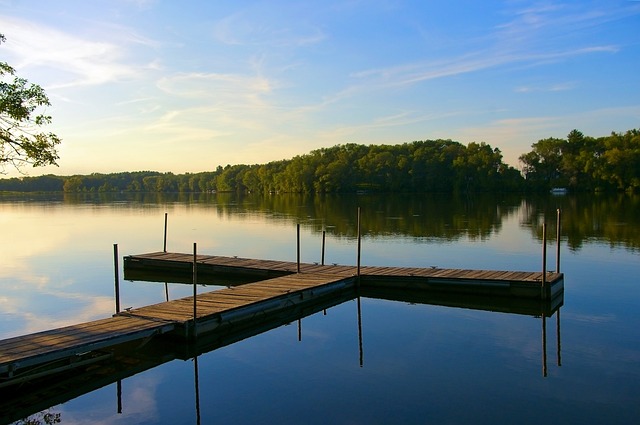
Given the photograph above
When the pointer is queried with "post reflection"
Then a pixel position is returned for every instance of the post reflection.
(360, 333)
(558, 336)
(544, 346)
(197, 388)
(544, 341)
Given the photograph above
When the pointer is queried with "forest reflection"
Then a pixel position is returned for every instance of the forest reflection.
(586, 218)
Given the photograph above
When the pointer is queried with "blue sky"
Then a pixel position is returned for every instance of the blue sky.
(186, 86)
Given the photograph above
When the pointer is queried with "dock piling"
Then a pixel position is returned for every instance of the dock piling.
(298, 247)
(359, 244)
(165, 232)
(558, 225)
(195, 290)
(116, 276)
(544, 257)
(324, 234)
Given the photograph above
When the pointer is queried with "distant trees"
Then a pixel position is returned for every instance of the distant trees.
(578, 162)
(421, 166)
(21, 141)
(585, 163)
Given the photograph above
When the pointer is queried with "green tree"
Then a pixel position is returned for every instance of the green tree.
(21, 141)
(542, 166)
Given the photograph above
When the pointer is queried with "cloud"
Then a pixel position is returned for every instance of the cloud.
(413, 73)
(570, 85)
(249, 27)
(92, 308)
(216, 86)
(71, 61)
(532, 36)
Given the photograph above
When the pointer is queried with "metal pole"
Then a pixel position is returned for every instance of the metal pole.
(324, 234)
(195, 290)
(359, 245)
(544, 257)
(298, 247)
(165, 232)
(116, 276)
(558, 224)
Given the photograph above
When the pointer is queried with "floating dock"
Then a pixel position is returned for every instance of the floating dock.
(126, 360)
(491, 282)
(281, 287)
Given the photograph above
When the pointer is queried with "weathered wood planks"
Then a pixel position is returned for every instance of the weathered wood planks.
(167, 261)
(280, 289)
(213, 309)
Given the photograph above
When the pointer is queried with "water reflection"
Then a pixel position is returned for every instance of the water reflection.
(614, 219)
(136, 357)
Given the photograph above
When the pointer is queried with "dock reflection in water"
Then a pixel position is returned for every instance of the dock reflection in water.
(133, 358)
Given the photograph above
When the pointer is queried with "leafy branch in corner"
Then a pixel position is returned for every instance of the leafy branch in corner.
(22, 141)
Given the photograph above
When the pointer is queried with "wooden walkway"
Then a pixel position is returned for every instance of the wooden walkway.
(20, 355)
(281, 288)
(24, 352)
(509, 283)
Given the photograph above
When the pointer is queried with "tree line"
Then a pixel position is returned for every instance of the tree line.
(580, 163)
(421, 166)
(583, 163)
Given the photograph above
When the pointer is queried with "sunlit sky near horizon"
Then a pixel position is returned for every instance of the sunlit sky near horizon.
(186, 86)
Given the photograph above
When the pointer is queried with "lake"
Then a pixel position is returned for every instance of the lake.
(360, 361)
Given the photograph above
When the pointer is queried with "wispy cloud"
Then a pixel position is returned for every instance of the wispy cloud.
(71, 60)
(410, 74)
(243, 28)
(570, 85)
(216, 86)
(524, 40)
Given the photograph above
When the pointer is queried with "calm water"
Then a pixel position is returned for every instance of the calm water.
(396, 361)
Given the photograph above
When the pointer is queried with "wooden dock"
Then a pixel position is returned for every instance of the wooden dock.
(280, 289)
(492, 282)
(65, 348)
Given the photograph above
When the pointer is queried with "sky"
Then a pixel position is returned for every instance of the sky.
(186, 86)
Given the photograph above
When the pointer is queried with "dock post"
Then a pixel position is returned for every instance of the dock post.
(116, 276)
(298, 248)
(359, 246)
(195, 290)
(558, 225)
(165, 232)
(544, 259)
(324, 234)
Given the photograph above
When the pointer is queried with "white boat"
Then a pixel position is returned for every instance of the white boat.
(559, 190)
